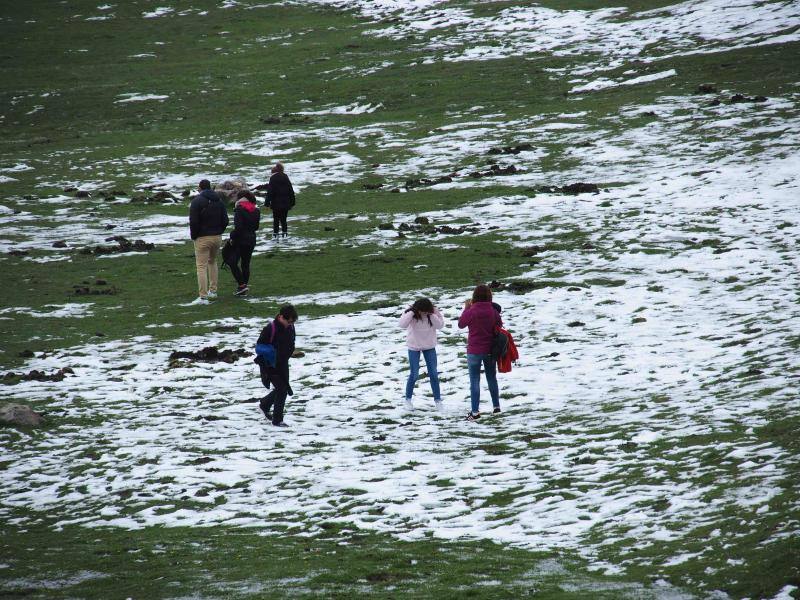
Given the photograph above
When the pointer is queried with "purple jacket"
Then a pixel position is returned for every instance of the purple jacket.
(481, 318)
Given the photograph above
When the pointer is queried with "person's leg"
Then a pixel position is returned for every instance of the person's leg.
(234, 264)
(215, 242)
(474, 365)
(490, 368)
(201, 262)
(276, 222)
(281, 391)
(284, 225)
(413, 373)
(246, 254)
(433, 372)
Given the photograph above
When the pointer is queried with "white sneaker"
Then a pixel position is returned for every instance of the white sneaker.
(197, 301)
(212, 295)
(439, 406)
(409, 404)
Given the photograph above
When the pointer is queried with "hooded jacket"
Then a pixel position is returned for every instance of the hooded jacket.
(280, 195)
(207, 215)
(421, 334)
(246, 219)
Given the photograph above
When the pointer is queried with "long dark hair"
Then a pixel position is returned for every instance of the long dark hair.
(482, 293)
(423, 305)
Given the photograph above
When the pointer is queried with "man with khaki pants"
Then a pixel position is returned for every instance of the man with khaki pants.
(208, 219)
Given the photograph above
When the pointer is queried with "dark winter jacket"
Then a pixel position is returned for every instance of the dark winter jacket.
(280, 195)
(283, 341)
(207, 215)
(246, 218)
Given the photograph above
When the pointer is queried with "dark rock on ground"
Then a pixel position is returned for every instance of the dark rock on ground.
(37, 375)
(82, 194)
(422, 220)
(329, 228)
(123, 245)
(424, 182)
(740, 98)
(18, 252)
(270, 120)
(372, 186)
(706, 88)
(386, 226)
(70, 188)
(511, 149)
(60, 244)
(580, 188)
(211, 354)
(532, 251)
(494, 170)
(639, 320)
(85, 290)
(298, 354)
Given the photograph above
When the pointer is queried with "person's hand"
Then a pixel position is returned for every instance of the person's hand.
(467, 303)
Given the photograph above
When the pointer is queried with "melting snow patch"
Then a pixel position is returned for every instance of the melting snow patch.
(158, 12)
(140, 97)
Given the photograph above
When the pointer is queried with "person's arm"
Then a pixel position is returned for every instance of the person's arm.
(291, 193)
(257, 218)
(225, 219)
(437, 319)
(238, 223)
(194, 219)
(405, 319)
(466, 318)
(270, 192)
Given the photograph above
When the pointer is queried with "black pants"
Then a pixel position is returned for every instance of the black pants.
(243, 254)
(279, 220)
(276, 399)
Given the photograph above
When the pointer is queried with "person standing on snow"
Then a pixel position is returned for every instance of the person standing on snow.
(280, 334)
(280, 198)
(481, 317)
(421, 321)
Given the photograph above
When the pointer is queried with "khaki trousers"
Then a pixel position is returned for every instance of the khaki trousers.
(206, 249)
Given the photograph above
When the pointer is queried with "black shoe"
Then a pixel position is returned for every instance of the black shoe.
(473, 417)
(496, 410)
(281, 424)
(241, 290)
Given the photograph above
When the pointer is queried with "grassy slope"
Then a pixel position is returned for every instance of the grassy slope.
(83, 125)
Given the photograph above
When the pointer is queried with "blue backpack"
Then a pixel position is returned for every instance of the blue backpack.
(267, 351)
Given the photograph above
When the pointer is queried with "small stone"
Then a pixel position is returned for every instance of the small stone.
(82, 194)
(60, 244)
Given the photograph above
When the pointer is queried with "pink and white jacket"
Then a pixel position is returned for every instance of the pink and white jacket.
(421, 335)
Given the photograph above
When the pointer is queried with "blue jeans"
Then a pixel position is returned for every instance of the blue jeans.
(433, 373)
(490, 368)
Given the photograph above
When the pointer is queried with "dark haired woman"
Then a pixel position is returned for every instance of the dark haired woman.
(246, 219)
(421, 321)
(280, 198)
(481, 317)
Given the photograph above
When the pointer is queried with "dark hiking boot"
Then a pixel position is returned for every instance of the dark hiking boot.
(281, 424)
(241, 290)
(496, 410)
(473, 417)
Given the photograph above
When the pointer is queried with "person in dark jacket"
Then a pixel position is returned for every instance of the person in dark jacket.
(246, 219)
(280, 333)
(280, 198)
(208, 219)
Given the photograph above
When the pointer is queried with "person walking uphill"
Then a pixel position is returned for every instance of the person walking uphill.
(208, 219)
(481, 317)
(280, 335)
(246, 219)
(280, 198)
(421, 322)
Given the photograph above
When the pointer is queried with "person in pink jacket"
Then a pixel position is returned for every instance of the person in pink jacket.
(421, 321)
(481, 316)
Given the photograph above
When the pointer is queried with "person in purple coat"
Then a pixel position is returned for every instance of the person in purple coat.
(481, 317)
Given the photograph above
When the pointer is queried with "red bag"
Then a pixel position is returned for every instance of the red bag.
(511, 354)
